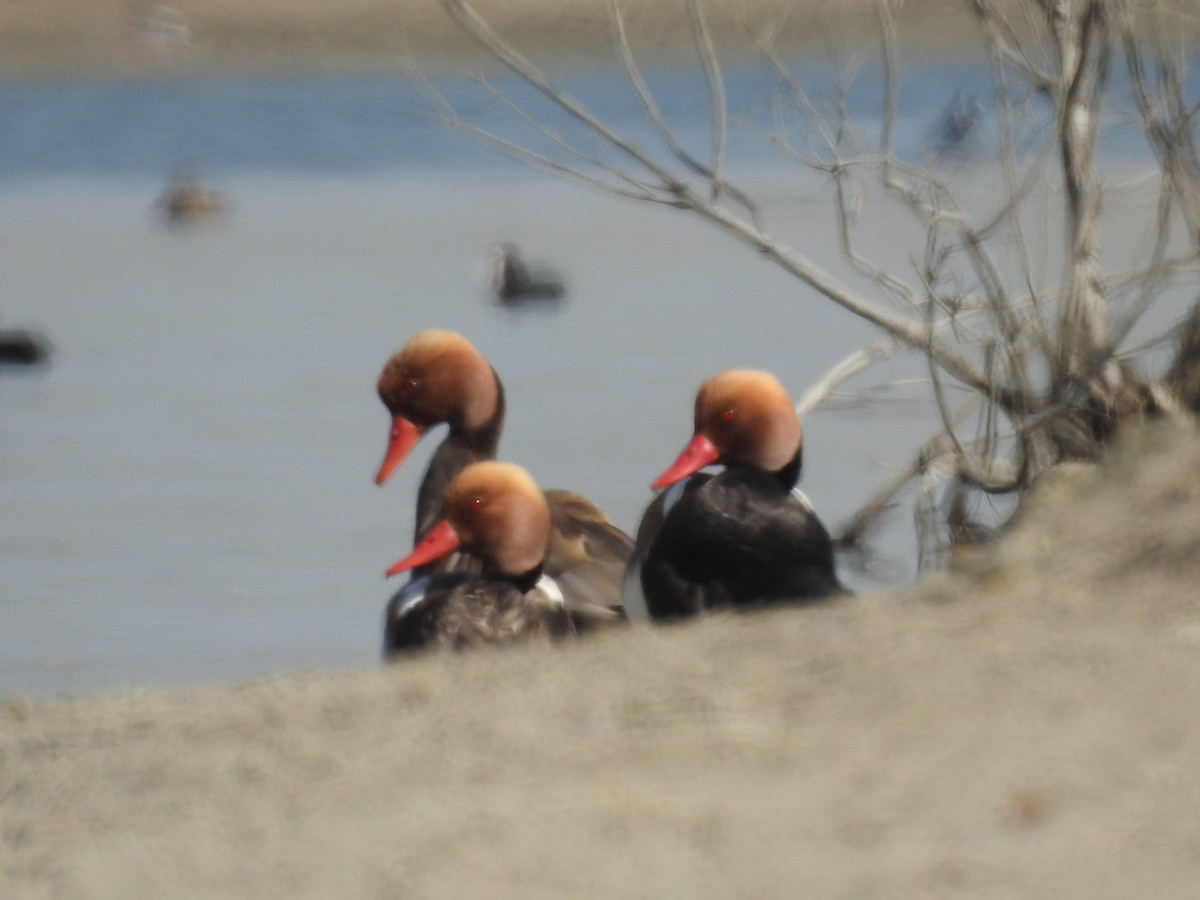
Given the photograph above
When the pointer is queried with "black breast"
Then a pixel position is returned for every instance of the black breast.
(739, 538)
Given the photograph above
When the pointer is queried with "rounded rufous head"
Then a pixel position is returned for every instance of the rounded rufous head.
(742, 417)
(493, 510)
(438, 376)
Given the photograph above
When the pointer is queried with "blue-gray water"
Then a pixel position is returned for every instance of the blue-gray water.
(364, 125)
(186, 489)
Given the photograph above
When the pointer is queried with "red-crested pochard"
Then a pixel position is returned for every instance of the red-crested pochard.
(439, 376)
(495, 512)
(743, 536)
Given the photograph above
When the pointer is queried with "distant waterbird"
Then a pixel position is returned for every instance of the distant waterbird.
(514, 282)
(188, 200)
(19, 347)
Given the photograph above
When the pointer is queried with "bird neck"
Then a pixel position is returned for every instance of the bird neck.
(459, 449)
(789, 475)
(526, 581)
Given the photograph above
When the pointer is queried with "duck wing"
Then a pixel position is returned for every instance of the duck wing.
(587, 556)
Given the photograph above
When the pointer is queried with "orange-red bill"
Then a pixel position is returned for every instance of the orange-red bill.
(440, 540)
(700, 452)
(403, 438)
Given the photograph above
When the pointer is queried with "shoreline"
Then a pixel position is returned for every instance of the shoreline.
(114, 38)
(54, 39)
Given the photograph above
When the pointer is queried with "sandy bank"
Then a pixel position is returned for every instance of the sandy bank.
(132, 38)
(120, 37)
(1027, 728)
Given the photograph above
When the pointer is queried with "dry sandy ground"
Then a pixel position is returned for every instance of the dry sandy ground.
(1027, 728)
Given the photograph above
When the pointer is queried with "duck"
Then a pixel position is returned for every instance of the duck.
(439, 377)
(740, 538)
(22, 348)
(494, 511)
(189, 200)
(513, 282)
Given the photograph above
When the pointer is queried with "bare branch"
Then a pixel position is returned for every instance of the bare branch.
(478, 28)
(846, 369)
(1005, 45)
(1020, 330)
(1168, 122)
(654, 114)
(646, 97)
(869, 513)
(716, 90)
(522, 154)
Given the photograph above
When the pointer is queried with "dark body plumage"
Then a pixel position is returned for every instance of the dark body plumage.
(459, 610)
(439, 377)
(495, 512)
(737, 538)
(22, 348)
(743, 537)
(460, 448)
(514, 283)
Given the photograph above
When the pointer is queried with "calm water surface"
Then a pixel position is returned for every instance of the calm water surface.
(187, 490)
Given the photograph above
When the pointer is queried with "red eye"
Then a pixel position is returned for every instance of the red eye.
(727, 415)
(475, 502)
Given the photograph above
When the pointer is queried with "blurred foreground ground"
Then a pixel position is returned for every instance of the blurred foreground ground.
(1027, 728)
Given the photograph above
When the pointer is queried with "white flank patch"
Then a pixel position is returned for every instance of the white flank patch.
(802, 499)
(673, 495)
(632, 598)
(411, 595)
(550, 590)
